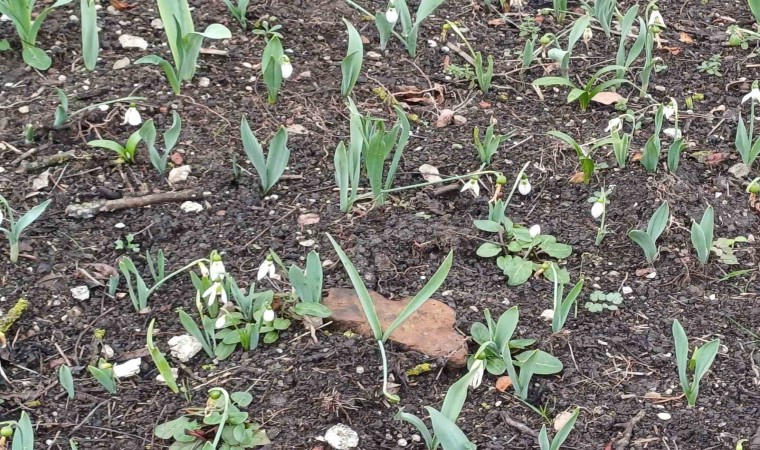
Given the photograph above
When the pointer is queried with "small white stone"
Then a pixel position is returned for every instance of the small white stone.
(184, 347)
(664, 416)
(121, 63)
(204, 82)
(374, 55)
(24, 109)
(80, 293)
(120, 226)
(160, 378)
(360, 369)
(627, 290)
(191, 207)
(129, 41)
(74, 18)
(432, 43)
(561, 419)
(127, 369)
(341, 437)
(61, 78)
(307, 243)
(445, 49)
(104, 108)
(548, 315)
(179, 174)
(416, 438)
(157, 24)
(402, 442)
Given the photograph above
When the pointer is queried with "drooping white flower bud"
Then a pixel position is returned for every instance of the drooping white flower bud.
(268, 315)
(597, 209)
(535, 231)
(524, 187)
(286, 67)
(391, 15)
(132, 116)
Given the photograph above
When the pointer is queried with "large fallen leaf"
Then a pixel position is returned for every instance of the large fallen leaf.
(607, 98)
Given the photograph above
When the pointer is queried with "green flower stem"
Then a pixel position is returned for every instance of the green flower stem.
(394, 399)
(159, 283)
(429, 183)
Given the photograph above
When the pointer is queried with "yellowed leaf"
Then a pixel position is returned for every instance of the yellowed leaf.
(685, 38)
(503, 383)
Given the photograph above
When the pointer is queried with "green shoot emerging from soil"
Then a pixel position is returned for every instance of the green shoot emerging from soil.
(647, 240)
(698, 364)
(15, 228)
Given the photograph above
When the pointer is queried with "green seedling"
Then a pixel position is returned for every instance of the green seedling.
(599, 301)
(271, 168)
(647, 240)
(15, 228)
(702, 235)
(699, 363)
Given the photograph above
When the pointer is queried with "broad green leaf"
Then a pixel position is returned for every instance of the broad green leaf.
(36, 57)
(277, 158)
(29, 218)
(352, 63)
(312, 309)
(489, 226)
(488, 250)
(215, 31)
(66, 380)
(480, 333)
(418, 424)
(543, 363)
(699, 241)
(168, 430)
(253, 151)
(242, 399)
(448, 433)
(158, 358)
(682, 353)
(645, 242)
(659, 221)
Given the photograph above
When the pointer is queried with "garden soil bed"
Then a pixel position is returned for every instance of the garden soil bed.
(616, 364)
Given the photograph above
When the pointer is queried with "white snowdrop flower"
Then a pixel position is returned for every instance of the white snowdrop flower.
(478, 367)
(597, 210)
(614, 125)
(656, 20)
(524, 187)
(672, 133)
(286, 67)
(216, 289)
(217, 272)
(268, 315)
(391, 15)
(266, 269)
(516, 4)
(472, 186)
(668, 111)
(587, 35)
(535, 231)
(221, 321)
(132, 116)
(753, 95)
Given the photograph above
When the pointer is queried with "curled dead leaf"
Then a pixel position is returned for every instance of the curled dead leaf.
(607, 98)
(637, 156)
(444, 118)
(685, 38)
(497, 22)
(503, 383)
(413, 94)
(308, 219)
(577, 178)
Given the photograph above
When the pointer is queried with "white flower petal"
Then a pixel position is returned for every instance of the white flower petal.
(287, 70)
(127, 369)
(391, 15)
(535, 231)
(524, 187)
(597, 210)
(268, 315)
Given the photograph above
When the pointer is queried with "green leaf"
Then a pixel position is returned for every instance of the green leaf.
(554, 81)
(556, 250)
(422, 296)
(564, 432)
(646, 243)
(480, 333)
(171, 136)
(172, 428)
(682, 353)
(90, 42)
(28, 218)
(36, 57)
(448, 433)
(489, 226)
(659, 221)
(699, 241)
(488, 250)
(277, 158)
(254, 151)
(312, 309)
(192, 328)
(66, 380)
(517, 270)
(417, 423)
(158, 358)
(172, 76)
(215, 31)
(4, 45)
(542, 364)
(242, 399)
(352, 64)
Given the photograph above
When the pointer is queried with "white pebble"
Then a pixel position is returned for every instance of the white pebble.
(664, 416)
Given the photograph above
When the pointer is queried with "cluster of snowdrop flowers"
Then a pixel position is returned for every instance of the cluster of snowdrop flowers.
(216, 275)
(132, 116)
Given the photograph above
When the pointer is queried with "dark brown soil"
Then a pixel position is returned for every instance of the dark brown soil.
(612, 360)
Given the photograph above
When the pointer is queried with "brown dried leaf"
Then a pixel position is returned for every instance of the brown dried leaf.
(177, 158)
(637, 156)
(577, 178)
(503, 383)
(430, 173)
(607, 98)
(497, 22)
(308, 219)
(716, 158)
(445, 118)
(104, 271)
(413, 94)
(685, 38)
(643, 272)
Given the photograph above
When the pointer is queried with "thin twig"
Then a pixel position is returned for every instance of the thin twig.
(623, 442)
(519, 425)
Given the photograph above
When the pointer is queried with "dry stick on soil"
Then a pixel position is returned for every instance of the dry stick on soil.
(88, 210)
(519, 425)
(628, 432)
(46, 162)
